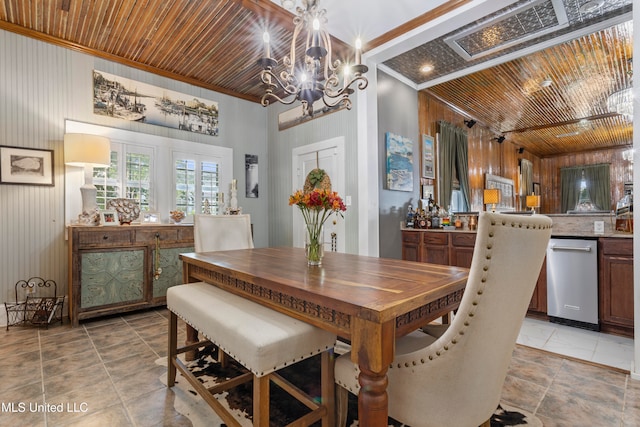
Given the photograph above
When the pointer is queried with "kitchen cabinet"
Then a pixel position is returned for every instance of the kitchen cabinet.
(115, 269)
(538, 304)
(615, 286)
(455, 248)
(435, 248)
(411, 246)
(461, 249)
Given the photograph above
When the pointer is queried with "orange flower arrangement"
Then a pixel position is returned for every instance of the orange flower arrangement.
(316, 206)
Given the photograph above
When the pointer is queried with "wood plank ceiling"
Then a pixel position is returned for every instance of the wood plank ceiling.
(568, 115)
(215, 44)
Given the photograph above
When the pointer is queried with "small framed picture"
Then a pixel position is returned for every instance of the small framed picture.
(109, 218)
(428, 157)
(26, 166)
(150, 218)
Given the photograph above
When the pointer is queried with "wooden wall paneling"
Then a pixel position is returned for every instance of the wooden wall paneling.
(486, 155)
(620, 172)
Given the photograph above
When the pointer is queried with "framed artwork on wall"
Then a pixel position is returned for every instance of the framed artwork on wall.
(251, 175)
(26, 166)
(126, 99)
(507, 191)
(399, 162)
(428, 157)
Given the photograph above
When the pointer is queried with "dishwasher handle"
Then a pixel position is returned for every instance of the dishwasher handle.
(570, 248)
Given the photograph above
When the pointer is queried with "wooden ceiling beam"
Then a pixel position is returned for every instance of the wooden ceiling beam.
(564, 123)
(429, 16)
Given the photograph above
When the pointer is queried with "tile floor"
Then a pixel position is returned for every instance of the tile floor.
(104, 373)
(582, 344)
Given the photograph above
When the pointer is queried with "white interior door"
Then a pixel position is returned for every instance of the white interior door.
(327, 155)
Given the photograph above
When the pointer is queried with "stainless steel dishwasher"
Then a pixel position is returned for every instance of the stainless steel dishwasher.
(572, 282)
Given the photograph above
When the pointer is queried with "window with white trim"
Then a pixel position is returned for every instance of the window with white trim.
(197, 184)
(143, 167)
(129, 176)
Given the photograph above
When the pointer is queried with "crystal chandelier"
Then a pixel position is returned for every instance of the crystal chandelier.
(316, 76)
(621, 102)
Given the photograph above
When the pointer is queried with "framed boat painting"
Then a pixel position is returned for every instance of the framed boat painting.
(26, 166)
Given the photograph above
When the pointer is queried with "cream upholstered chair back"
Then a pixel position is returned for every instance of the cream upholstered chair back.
(222, 232)
(457, 379)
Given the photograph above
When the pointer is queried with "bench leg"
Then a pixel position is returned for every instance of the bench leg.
(192, 338)
(261, 401)
(172, 350)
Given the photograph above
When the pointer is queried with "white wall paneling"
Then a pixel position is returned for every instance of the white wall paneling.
(42, 85)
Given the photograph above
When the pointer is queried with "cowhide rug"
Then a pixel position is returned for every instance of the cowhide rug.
(284, 409)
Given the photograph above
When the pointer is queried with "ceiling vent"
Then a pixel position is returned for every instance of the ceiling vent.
(508, 27)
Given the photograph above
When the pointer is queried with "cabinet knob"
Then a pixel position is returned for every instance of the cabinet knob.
(157, 235)
(105, 237)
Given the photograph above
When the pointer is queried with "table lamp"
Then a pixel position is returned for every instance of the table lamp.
(492, 197)
(87, 151)
(533, 202)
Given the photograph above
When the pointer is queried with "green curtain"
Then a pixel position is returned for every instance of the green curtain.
(598, 186)
(526, 171)
(454, 158)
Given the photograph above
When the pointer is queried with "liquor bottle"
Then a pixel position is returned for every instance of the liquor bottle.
(410, 215)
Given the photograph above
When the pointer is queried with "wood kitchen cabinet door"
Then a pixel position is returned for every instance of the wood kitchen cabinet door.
(411, 248)
(462, 249)
(615, 290)
(538, 304)
(436, 248)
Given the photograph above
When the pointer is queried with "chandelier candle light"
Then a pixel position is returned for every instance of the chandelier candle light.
(317, 76)
(316, 206)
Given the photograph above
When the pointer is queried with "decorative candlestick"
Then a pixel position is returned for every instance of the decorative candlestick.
(233, 203)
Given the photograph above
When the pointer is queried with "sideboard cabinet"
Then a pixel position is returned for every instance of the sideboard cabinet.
(119, 269)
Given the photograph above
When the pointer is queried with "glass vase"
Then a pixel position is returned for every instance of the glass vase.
(314, 243)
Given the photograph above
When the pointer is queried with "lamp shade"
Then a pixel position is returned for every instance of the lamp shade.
(533, 201)
(82, 149)
(492, 196)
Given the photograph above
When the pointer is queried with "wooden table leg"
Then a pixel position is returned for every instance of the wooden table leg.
(373, 401)
(372, 349)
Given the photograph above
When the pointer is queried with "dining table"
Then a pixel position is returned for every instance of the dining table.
(367, 301)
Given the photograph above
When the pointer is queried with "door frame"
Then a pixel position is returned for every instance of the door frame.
(338, 144)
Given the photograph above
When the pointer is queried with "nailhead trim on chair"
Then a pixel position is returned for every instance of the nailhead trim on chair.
(480, 291)
(470, 314)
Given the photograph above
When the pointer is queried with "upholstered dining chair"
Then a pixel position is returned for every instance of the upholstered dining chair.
(455, 376)
(222, 232)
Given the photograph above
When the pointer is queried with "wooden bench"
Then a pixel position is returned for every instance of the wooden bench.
(260, 339)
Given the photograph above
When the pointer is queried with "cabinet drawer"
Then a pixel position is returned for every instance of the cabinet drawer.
(435, 238)
(185, 233)
(463, 239)
(410, 236)
(149, 236)
(612, 246)
(104, 237)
